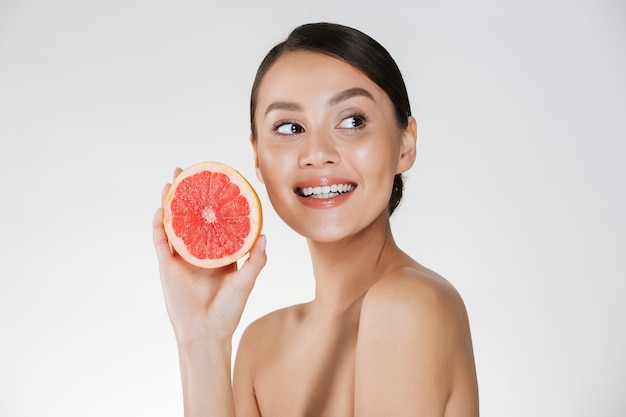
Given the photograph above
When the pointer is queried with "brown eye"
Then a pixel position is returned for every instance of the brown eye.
(289, 129)
(352, 122)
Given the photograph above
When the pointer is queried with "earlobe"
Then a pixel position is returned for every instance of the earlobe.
(408, 147)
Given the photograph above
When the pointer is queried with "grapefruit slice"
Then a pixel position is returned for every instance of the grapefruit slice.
(211, 214)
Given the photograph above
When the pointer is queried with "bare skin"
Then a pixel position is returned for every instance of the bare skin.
(400, 346)
(384, 336)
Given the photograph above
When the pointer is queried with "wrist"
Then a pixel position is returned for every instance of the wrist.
(201, 335)
(205, 367)
(195, 345)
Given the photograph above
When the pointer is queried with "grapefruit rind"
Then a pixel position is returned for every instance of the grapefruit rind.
(245, 189)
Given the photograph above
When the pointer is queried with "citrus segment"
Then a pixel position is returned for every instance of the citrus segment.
(211, 215)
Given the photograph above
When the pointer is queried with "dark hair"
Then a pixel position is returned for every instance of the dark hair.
(357, 49)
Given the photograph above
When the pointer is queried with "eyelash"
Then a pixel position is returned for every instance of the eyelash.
(281, 123)
(359, 116)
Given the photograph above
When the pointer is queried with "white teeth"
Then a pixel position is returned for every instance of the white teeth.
(326, 191)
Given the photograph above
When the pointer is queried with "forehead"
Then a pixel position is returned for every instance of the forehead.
(298, 73)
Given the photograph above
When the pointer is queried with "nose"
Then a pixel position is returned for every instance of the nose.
(318, 149)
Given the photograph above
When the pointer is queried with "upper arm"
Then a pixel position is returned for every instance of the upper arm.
(243, 386)
(414, 352)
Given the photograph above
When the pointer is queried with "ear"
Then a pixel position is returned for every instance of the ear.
(256, 160)
(407, 147)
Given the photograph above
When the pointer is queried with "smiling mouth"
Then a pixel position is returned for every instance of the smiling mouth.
(325, 191)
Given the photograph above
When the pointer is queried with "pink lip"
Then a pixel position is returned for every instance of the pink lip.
(320, 182)
(323, 203)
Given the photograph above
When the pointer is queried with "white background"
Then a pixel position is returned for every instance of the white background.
(517, 196)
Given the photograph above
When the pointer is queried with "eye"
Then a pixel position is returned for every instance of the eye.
(288, 128)
(353, 122)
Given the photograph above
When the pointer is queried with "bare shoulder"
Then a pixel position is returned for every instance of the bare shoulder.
(417, 309)
(414, 336)
(264, 332)
(258, 346)
(263, 337)
(413, 294)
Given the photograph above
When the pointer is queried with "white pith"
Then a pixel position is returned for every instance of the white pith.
(209, 215)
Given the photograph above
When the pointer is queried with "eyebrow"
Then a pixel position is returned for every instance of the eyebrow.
(337, 98)
(283, 105)
(349, 93)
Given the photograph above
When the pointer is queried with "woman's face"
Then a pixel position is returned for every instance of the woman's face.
(328, 145)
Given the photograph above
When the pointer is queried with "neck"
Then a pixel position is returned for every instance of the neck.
(346, 269)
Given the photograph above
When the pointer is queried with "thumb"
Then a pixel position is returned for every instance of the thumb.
(247, 274)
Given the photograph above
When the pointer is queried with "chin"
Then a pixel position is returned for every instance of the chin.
(324, 234)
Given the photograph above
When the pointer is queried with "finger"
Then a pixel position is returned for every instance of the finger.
(159, 238)
(164, 191)
(246, 277)
(167, 187)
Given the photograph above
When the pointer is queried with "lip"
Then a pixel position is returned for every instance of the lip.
(324, 203)
(320, 182)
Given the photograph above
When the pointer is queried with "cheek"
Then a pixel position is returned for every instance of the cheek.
(272, 167)
(378, 156)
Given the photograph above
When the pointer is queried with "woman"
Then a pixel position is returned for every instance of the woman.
(332, 133)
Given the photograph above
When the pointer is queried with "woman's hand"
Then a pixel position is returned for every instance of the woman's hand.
(204, 304)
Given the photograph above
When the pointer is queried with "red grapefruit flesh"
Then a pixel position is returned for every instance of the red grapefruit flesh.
(211, 214)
